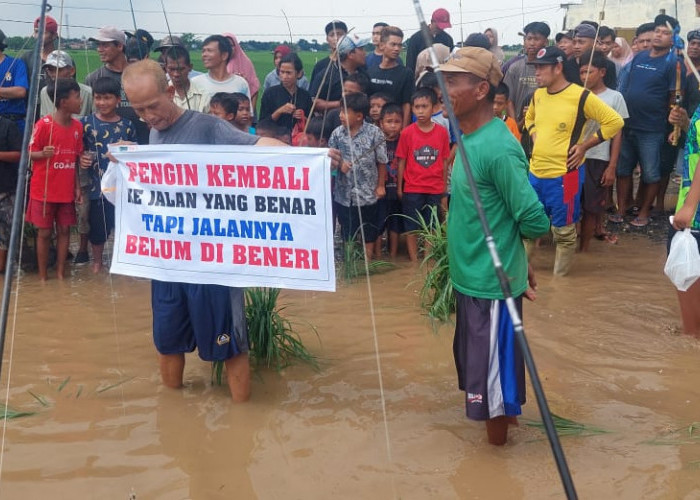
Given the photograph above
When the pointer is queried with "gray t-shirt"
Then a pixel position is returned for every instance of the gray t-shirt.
(196, 128)
(521, 82)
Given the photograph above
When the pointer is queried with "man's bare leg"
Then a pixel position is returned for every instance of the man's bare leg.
(412, 246)
(238, 377)
(690, 312)
(62, 242)
(649, 196)
(497, 429)
(588, 225)
(172, 367)
(624, 186)
(393, 244)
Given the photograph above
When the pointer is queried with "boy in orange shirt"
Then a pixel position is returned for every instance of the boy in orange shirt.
(500, 108)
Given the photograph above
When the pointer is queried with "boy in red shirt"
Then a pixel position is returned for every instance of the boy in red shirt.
(57, 142)
(423, 152)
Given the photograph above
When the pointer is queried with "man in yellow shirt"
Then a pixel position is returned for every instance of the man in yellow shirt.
(555, 120)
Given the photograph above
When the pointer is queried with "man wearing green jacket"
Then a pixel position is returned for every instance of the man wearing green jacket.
(489, 362)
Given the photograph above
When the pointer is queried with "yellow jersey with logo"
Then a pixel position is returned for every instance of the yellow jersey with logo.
(557, 120)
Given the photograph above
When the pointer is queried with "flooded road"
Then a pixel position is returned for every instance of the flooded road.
(605, 340)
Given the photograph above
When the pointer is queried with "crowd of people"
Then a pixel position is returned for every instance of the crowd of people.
(554, 137)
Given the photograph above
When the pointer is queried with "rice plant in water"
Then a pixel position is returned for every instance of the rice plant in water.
(8, 413)
(273, 340)
(437, 295)
(353, 264)
(566, 427)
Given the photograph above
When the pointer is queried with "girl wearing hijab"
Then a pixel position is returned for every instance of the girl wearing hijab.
(497, 51)
(241, 65)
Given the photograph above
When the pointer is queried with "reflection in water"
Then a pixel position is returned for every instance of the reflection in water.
(604, 340)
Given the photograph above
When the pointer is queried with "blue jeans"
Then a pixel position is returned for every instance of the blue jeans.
(643, 148)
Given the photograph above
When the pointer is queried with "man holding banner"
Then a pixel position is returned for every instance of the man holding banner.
(187, 315)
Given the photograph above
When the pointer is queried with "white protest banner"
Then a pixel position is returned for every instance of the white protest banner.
(228, 215)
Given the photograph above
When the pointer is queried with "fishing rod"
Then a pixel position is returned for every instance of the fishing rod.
(546, 414)
(18, 213)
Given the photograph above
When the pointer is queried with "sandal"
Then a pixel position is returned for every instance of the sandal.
(616, 218)
(640, 222)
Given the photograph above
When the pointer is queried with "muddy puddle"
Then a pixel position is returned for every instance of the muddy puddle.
(605, 339)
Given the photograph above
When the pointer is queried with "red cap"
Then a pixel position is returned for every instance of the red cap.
(50, 22)
(441, 19)
(283, 50)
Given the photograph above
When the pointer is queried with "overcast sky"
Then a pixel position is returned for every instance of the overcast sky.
(264, 19)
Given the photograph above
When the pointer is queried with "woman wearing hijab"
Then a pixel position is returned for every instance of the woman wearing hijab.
(497, 51)
(241, 65)
(621, 52)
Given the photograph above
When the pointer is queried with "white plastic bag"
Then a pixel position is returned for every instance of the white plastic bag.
(683, 262)
(109, 182)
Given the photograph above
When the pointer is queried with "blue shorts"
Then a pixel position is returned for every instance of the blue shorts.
(643, 148)
(208, 317)
(561, 196)
(414, 204)
(389, 216)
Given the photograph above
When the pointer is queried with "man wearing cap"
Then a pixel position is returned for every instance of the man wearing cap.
(138, 45)
(328, 86)
(520, 77)
(13, 87)
(110, 47)
(584, 40)
(565, 41)
(555, 120)
(494, 382)
(60, 64)
(48, 45)
(216, 53)
(335, 30)
(389, 76)
(648, 90)
(439, 22)
(273, 77)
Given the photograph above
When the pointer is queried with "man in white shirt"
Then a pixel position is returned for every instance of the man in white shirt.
(188, 95)
(216, 52)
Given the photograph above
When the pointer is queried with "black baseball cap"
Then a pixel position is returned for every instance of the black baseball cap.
(549, 55)
(537, 27)
(663, 20)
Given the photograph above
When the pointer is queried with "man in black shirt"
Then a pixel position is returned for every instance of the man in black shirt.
(10, 147)
(335, 30)
(390, 77)
(584, 40)
(351, 59)
(439, 21)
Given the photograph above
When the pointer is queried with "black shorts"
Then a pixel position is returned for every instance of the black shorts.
(389, 216)
(101, 221)
(594, 195)
(350, 222)
(415, 204)
(494, 382)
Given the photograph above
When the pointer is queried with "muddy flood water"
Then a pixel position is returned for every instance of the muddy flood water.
(606, 341)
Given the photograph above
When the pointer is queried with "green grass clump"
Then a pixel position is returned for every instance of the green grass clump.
(566, 427)
(353, 264)
(273, 340)
(689, 434)
(437, 294)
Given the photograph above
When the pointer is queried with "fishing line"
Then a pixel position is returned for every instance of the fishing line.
(503, 279)
(375, 337)
(40, 43)
(17, 232)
